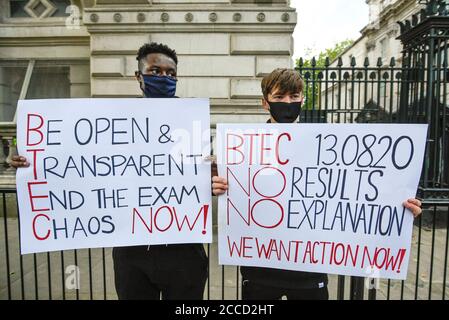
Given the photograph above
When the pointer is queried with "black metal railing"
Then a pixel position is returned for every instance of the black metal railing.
(335, 94)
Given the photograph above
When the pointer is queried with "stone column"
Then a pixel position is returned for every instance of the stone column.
(225, 47)
(79, 81)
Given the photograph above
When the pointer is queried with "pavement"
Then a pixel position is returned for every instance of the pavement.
(54, 271)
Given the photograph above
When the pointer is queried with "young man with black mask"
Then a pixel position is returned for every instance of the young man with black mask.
(283, 97)
(175, 272)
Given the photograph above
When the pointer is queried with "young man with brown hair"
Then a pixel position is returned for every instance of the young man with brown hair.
(173, 272)
(283, 97)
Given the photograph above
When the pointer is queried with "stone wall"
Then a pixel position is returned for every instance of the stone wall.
(378, 40)
(224, 46)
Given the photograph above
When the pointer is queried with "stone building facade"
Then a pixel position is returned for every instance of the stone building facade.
(87, 48)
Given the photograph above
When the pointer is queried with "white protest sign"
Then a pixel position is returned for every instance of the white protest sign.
(113, 172)
(319, 197)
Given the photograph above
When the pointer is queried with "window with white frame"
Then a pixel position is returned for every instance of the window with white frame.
(38, 8)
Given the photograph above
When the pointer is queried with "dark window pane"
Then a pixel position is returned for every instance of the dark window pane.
(61, 5)
(39, 9)
(11, 80)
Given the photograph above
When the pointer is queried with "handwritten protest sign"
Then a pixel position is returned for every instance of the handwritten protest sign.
(113, 172)
(319, 197)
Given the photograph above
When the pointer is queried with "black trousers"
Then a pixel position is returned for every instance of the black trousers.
(255, 291)
(173, 272)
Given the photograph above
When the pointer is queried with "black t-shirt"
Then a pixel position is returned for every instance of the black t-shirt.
(284, 278)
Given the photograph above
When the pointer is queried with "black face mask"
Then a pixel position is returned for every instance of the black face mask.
(283, 112)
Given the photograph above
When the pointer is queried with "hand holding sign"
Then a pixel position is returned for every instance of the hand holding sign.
(102, 175)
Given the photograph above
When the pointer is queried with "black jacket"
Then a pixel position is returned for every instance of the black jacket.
(284, 278)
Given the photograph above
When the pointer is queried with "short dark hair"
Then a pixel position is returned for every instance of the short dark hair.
(285, 80)
(154, 47)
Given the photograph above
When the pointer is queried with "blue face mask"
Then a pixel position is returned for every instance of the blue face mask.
(159, 87)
